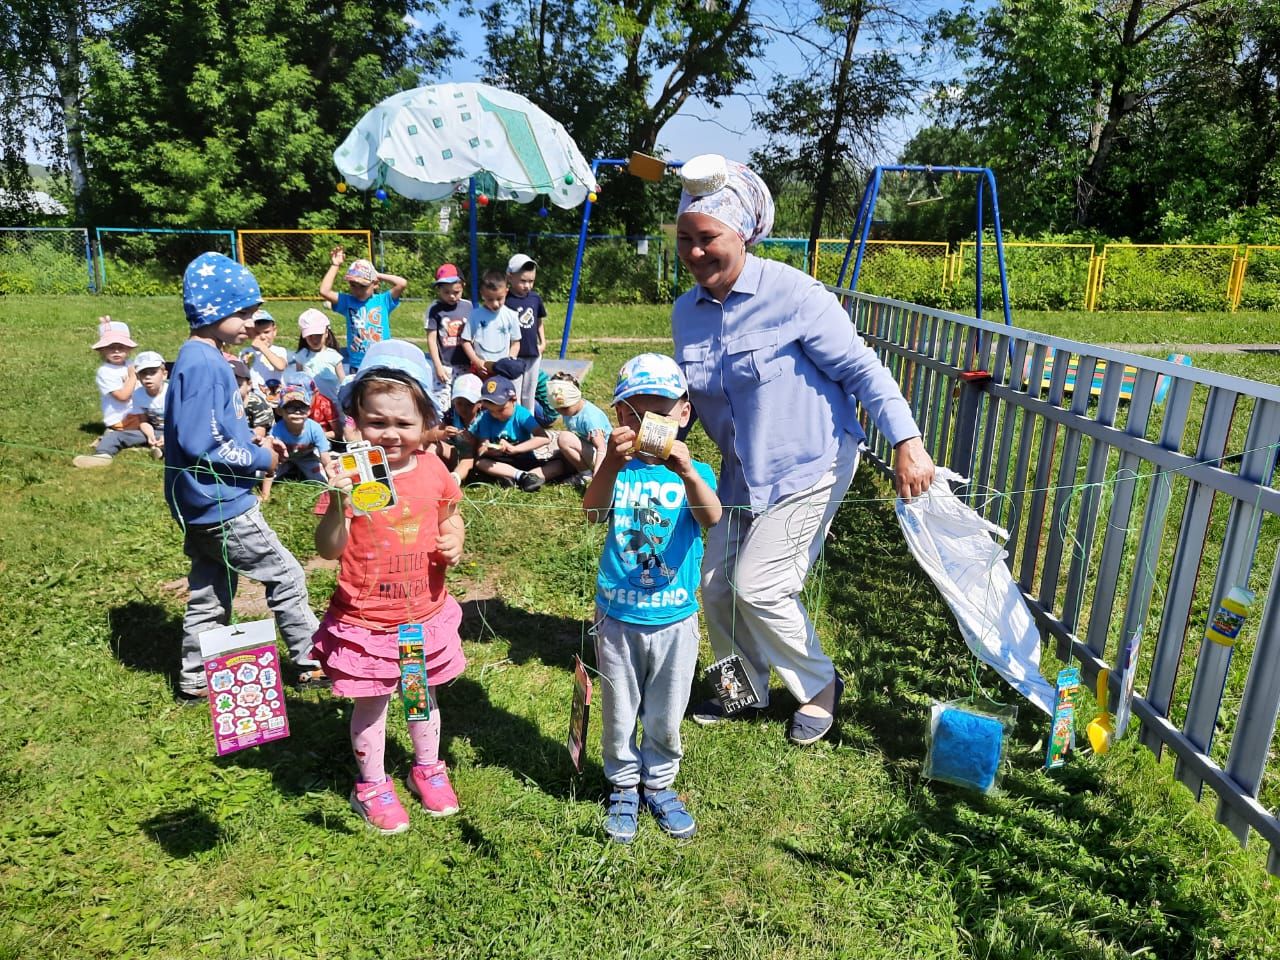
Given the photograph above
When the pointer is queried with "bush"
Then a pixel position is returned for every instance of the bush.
(43, 263)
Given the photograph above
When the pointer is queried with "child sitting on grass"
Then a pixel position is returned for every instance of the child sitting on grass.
(116, 380)
(392, 572)
(456, 444)
(646, 605)
(511, 446)
(585, 432)
(307, 448)
(148, 399)
(367, 311)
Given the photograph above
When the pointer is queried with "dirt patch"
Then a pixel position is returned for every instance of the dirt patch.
(251, 598)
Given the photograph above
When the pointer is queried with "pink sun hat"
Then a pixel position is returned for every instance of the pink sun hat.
(112, 331)
(312, 321)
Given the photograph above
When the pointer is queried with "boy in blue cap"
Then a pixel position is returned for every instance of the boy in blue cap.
(646, 596)
(511, 446)
(211, 466)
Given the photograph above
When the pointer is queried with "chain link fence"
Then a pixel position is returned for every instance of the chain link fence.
(289, 264)
(45, 260)
(144, 262)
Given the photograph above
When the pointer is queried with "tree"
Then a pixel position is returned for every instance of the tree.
(43, 76)
(205, 114)
(825, 127)
(615, 71)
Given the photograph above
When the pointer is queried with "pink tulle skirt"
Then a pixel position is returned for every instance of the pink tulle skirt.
(366, 663)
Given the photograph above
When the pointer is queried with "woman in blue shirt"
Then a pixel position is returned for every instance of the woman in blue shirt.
(776, 372)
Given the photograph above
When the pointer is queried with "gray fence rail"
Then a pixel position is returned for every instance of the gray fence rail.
(1136, 492)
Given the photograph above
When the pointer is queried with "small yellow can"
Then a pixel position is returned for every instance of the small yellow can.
(1224, 625)
(657, 436)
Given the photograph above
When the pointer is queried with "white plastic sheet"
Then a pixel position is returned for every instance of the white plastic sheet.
(955, 546)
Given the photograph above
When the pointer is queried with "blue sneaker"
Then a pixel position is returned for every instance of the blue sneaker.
(622, 815)
(669, 810)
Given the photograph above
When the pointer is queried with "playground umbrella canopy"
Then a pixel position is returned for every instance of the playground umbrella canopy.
(428, 142)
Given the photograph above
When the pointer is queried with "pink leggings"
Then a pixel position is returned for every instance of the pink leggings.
(369, 736)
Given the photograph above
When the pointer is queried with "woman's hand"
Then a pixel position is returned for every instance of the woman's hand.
(912, 468)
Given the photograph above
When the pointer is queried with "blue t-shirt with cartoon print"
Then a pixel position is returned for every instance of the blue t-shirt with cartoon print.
(652, 559)
(368, 322)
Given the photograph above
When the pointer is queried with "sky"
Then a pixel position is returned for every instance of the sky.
(701, 128)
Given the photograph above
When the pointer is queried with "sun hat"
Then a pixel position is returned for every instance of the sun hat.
(448, 273)
(563, 393)
(520, 262)
(361, 271)
(498, 390)
(239, 369)
(113, 331)
(729, 191)
(327, 384)
(386, 355)
(466, 387)
(311, 321)
(261, 316)
(147, 360)
(652, 374)
(214, 287)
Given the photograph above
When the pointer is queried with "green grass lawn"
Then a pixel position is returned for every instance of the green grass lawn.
(122, 835)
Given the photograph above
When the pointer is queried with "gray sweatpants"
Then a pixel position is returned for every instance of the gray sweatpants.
(113, 441)
(752, 575)
(646, 672)
(251, 548)
(528, 385)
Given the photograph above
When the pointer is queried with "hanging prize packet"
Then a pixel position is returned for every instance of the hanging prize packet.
(413, 673)
(374, 490)
(580, 713)
(246, 692)
(732, 684)
(1062, 737)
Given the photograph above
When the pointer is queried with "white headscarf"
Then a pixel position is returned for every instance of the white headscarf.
(730, 192)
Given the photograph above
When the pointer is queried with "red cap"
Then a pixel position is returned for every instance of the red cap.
(448, 273)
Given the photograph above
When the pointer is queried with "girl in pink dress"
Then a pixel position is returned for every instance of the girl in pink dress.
(392, 572)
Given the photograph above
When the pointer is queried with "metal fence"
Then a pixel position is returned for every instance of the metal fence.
(44, 260)
(149, 261)
(1129, 520)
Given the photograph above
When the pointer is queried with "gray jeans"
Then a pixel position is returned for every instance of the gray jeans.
(113, 441)
(646, 672)
(219, 554)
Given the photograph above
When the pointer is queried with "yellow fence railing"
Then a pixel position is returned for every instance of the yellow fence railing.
(1163, 276)
(1262, 263)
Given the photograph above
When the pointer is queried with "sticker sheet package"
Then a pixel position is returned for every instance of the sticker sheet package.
(732, 684)
(580, 713)
(967, 743)
(246, 691)
(414, 694)
(374, 490)
(1062, 735)
(1128, 677)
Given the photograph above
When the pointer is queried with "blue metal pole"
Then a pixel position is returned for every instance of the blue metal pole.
(977, 311)
(475, 254)
(1004, 277)
(874, 188)
(88, 262)
(577, 260)
(857, 229)
(102, 260)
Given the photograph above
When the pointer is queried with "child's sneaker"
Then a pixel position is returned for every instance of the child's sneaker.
(622, 815)
(379, 805)
(529, 482)
(429, 782)
(668, 809)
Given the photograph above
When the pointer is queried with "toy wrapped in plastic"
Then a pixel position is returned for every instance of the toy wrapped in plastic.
(967, 741)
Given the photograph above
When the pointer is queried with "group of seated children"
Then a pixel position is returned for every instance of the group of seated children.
(132, 394)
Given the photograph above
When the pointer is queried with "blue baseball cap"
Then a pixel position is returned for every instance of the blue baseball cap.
(498, 389)
(653, 374)
(214, 287)
(398, 355)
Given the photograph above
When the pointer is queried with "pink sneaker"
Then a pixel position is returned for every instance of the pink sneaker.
(379, 805)
(429, 782)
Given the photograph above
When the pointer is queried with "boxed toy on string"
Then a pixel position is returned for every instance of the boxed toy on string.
(246, 691)
(967, 741)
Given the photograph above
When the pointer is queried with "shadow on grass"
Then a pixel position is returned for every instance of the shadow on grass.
(94, 429)
(542, 637)
(183, 833)
(1055, 865)
(146, 636)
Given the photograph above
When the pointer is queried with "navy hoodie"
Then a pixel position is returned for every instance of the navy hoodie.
(211, 462)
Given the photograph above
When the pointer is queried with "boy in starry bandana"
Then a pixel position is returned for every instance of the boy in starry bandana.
(211, 466)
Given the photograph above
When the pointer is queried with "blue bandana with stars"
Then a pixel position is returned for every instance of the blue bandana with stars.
(214, 286)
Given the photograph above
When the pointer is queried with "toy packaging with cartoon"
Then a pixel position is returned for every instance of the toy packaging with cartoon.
(580, 714)
(246, 691)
